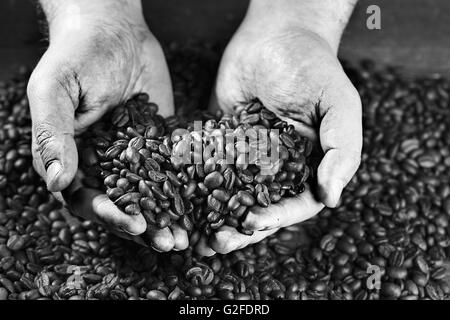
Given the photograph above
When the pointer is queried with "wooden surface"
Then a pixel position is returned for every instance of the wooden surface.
(414, 35)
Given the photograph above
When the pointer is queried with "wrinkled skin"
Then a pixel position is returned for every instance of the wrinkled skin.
(295, 73)
(74, 84)
(284, 54)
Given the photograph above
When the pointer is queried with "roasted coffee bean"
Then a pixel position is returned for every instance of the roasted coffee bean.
(263, 199)
(178, 205)
(168, 189)
(229, 178)
(234, 202)
(213, 180)
(157, 176)
(111, 180)
(390, 290)
(156, 295)
(133, 178)
(245, 198)
(397, 273)
(162, 220)
(147, 203)
(133, 209)
(158, 193)
(392, 213)
(173, 179)
(151, 165)
(221, 195)
(214, 204)
(16, 242)
(186, 223)
(421, 264)
(123, 183)
(239, 212)
(137, 142)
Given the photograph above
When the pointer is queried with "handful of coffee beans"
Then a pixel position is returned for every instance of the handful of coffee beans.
(201, 176)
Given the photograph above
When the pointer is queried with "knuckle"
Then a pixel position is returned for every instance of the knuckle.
(44, 134)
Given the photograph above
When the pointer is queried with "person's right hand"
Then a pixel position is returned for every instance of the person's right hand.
(101, 53)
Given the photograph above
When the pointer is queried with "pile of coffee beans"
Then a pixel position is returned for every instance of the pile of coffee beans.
(200, 178)
(388, 239)
(239, 173)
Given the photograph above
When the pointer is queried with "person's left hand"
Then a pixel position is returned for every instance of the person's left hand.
(294, 72)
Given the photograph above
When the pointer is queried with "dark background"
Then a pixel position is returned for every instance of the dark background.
(414, 35)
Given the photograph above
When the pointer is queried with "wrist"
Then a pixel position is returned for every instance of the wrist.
(326, 18)
(76, 16)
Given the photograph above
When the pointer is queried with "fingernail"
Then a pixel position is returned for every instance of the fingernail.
(53, 173)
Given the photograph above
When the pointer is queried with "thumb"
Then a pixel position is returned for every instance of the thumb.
(341, 141)
(52, 114)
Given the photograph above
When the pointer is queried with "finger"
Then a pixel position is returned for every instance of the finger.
(341, 141)
(52, 113)
(203, 249)
(159, 239)
(92, 204)
(180, 237)
(228, 239)
(157, 82)
(284, 213)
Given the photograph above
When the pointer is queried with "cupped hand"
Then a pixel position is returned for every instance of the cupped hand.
(295, 73)
(88, 69)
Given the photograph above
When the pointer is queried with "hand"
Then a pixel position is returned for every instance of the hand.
(101, 53)
(288, 61)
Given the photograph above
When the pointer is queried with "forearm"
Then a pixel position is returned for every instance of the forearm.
(70, 14)
(327, 18)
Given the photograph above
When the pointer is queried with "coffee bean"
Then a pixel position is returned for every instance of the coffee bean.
(214, 204)
(391, 290)
(156, 295)
(392, 213)
(186, 223)
(162, 220)
(157, 176)
(133, 209)
(421, 264)
(151, 165)
(3, 294)
(213, 180)
(263, 199)
(16, 242)
(234, 202)
(229, 178)
(397, 273)
(245, 198)
(178, 205)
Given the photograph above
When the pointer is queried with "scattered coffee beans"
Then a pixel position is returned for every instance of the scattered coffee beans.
(389, 238)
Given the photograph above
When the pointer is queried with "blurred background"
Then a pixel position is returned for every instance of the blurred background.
(414, 34)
